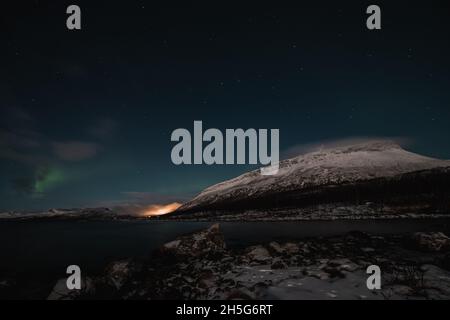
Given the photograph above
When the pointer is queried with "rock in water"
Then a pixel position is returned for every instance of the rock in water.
(259, 254)
(210, 241)
(432, 242)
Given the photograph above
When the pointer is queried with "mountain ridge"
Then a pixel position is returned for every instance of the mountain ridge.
(333, 166)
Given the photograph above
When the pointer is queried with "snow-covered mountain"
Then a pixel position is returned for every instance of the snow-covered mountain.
(354, 163)
(53, 214)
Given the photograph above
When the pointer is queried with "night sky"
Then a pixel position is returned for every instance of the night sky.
(86, 116)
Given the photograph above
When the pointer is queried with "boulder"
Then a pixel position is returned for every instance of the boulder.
(285, 249)
(291, 248)
(431, 242)
(436, 282)
(207, 280)
(343, 264)
(258, 254)
(275, 247)
(278, 264)
(61, 292)
(209, 241)
(119, 272)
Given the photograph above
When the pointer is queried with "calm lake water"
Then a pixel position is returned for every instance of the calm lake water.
(50, 246)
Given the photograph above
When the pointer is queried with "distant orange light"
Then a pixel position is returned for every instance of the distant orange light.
(158, 210)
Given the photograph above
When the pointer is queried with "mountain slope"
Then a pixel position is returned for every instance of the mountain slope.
(332, 167)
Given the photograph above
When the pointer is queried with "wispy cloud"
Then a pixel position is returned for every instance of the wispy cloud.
(103, 128)
(45, 159)
(18, 115)
(75, 150)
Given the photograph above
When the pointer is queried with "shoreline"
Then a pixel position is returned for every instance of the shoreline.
(412, 216)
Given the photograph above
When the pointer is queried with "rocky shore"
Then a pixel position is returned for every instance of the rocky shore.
(323, 212)
(199, 266)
